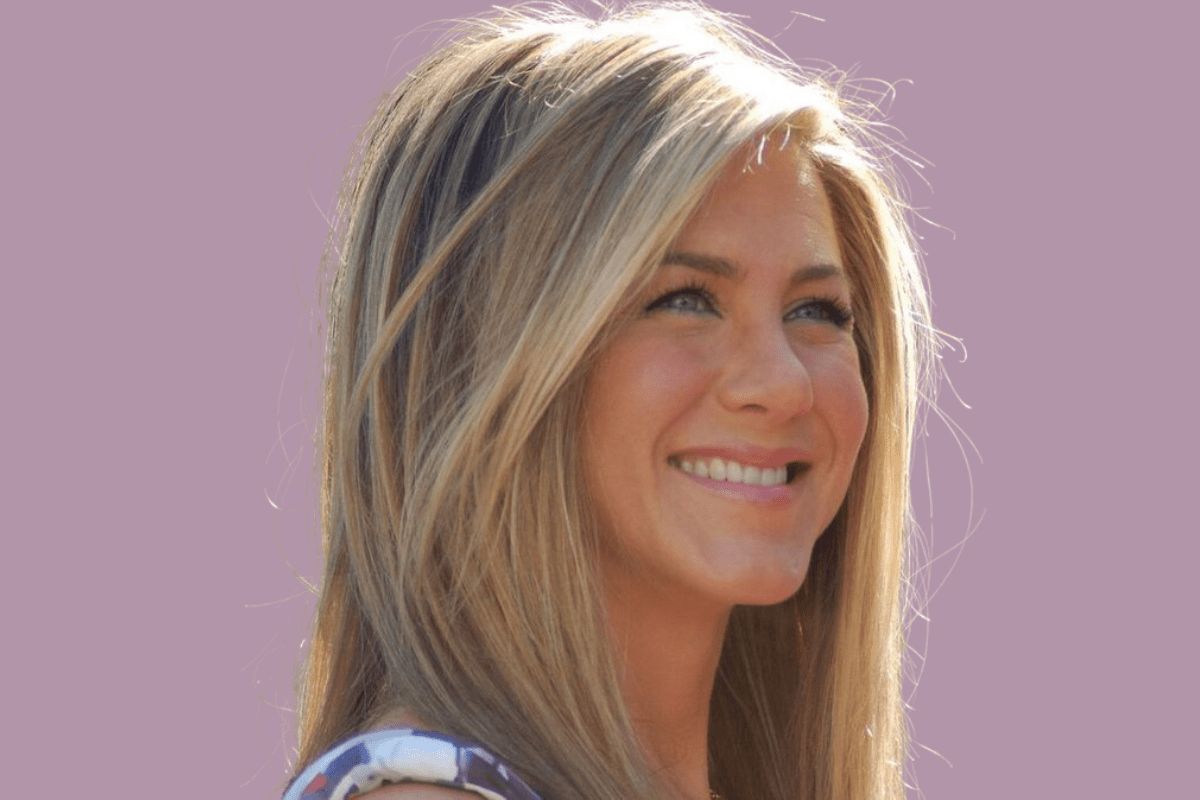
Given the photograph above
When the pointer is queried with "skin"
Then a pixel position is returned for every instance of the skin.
(754, 364)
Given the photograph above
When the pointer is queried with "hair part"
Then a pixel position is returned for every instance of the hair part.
(508, 196)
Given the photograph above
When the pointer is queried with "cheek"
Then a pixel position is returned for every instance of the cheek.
(643, 382)
(637, 390)
(662, 371)
(858, 412)
(845, 403)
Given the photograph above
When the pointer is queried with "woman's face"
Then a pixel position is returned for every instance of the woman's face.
(722, 422)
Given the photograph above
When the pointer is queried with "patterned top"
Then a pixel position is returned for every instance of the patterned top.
(398, 755)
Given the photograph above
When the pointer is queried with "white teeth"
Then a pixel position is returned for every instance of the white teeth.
(721, 470)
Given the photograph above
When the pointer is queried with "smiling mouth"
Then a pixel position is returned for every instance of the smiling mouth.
(722, 469)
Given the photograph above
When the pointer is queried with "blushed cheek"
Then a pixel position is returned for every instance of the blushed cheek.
(860, 415)
(849, 409)
(637, 389)
(643, 383)
(670, 372)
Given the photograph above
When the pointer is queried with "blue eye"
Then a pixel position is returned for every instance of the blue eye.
(823, 309)
(688, 300)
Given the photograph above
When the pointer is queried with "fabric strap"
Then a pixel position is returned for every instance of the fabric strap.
(397, 755)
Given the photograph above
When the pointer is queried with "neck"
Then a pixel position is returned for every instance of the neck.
(668, 648)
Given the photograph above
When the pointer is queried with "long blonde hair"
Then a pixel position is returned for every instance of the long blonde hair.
(507, 196)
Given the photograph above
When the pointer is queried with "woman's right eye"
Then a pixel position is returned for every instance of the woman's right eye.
(691, 300)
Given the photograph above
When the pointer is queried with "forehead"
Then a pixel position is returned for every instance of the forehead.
(770, 206)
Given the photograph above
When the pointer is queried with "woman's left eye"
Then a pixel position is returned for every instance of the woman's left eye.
(826, 309)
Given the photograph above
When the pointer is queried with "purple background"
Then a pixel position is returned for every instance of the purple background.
(164, 170)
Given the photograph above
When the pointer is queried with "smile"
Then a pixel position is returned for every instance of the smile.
(721, 469)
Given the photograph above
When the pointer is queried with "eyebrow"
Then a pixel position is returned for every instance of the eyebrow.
(724, 268)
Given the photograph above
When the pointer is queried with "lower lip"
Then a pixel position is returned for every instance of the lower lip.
(745, 491)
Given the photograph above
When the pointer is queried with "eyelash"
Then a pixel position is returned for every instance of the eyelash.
(832, 309)
(694, 288)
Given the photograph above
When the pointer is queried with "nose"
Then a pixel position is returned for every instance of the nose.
(763, 373)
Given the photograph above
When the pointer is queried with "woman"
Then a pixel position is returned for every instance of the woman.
(625, 342)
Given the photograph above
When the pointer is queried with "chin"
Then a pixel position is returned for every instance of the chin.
(767, 585)
(767, 595)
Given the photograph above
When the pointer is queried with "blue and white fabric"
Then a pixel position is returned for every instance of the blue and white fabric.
(397, 755)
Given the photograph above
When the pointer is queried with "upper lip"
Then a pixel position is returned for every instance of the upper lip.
(750, 455)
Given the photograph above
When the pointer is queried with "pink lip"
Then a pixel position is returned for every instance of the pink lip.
(746, 491)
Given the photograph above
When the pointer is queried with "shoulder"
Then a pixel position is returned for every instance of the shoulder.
(407, 764)
(411, 791)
